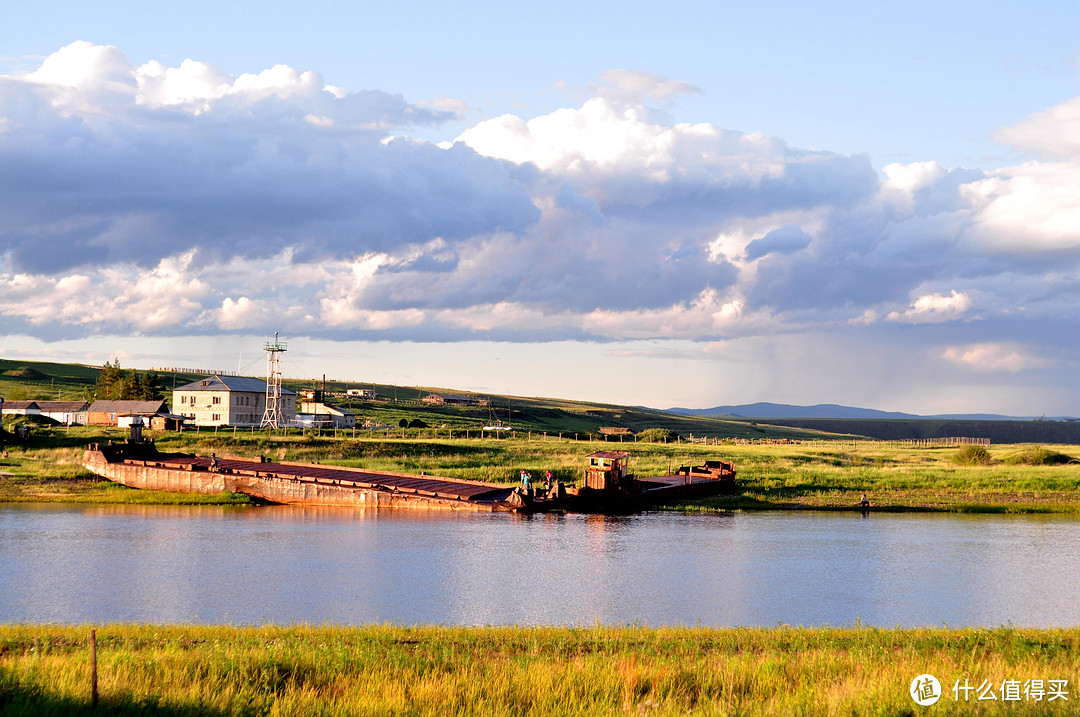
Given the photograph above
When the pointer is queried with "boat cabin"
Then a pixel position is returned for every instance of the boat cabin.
(607, 470)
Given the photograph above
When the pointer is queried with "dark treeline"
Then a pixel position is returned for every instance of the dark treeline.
(116, 384)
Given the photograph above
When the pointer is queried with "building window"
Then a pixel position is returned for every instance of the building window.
(216, 417)
(217, 399)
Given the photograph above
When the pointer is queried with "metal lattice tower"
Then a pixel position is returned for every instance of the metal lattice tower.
(273, 416)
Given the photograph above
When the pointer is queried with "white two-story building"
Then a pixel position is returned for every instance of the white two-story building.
(229, 401)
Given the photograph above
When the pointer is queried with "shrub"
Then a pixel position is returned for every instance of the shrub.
(658, 435)
(972, 456)
(1039, 456)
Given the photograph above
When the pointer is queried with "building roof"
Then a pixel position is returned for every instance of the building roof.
(20, 405)
(230, 383)
(131, 407)
(62, 406)
(325, 408)
(452, 397)
(611, 455)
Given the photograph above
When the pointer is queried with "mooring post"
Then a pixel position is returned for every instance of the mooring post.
(93, 668)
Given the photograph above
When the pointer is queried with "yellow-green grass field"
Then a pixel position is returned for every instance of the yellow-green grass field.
(809, 475)
(392, 670)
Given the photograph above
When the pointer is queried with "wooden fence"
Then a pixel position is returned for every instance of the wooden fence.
(388, 432)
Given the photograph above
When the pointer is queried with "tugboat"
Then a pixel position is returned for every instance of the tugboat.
(609, 487)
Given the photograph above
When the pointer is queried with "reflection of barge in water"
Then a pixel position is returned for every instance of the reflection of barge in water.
(608, 486)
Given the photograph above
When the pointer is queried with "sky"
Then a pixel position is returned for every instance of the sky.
(691, 205)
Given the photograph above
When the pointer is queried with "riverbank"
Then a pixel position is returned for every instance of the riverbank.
(302, 670)
(823, 475)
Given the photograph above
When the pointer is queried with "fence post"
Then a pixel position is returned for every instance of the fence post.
(93, 669)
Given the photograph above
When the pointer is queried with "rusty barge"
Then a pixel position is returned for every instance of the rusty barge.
(607, 487)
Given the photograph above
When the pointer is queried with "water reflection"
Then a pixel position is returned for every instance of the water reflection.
(282, 564)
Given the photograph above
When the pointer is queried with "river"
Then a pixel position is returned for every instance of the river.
(159, 564)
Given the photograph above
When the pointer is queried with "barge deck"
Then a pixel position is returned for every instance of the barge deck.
(139, 465)
(608, 487)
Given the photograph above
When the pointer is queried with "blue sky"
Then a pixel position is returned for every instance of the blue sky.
(697, 204)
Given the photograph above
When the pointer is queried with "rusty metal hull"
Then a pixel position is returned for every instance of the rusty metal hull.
(649, 492)
(138, 466)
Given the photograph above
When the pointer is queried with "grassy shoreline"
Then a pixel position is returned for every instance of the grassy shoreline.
(388, 669)
(789, 476)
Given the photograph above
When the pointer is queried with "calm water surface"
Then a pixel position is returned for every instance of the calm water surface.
(284, 565)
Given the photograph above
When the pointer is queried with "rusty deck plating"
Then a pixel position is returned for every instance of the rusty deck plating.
(141, 466)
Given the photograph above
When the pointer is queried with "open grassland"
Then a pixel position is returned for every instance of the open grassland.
(382, 670)
(901, 478)
(50, 470)
(808, 475)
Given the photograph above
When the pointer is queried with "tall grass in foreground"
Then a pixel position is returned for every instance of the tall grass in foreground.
(511, 671)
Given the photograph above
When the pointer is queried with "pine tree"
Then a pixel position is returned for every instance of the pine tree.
(109, 382)
(130, 386)
(150, 387)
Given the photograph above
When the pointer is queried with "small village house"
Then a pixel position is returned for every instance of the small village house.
(22, 408)
(68, 413)
(316, 413)
(119, 413)
(454, 399)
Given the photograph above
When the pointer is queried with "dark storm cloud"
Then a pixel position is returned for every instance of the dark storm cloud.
(139, 188)
(788, 239)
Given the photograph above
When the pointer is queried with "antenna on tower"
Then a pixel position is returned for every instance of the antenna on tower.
(273, 415)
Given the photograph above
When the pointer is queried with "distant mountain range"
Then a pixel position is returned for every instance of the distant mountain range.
(829, 410)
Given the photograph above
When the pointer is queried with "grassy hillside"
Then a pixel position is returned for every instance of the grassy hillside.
(41, 380)
(555, 416)
(30, 380)
(33, 380)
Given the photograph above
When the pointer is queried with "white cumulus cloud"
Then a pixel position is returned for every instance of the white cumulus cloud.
(637, 87)
(993, 357)
(934, 309)
(1054, 132)
(161, 199)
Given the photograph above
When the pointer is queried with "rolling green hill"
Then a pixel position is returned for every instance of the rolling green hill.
(33, 380)
(39, 380)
